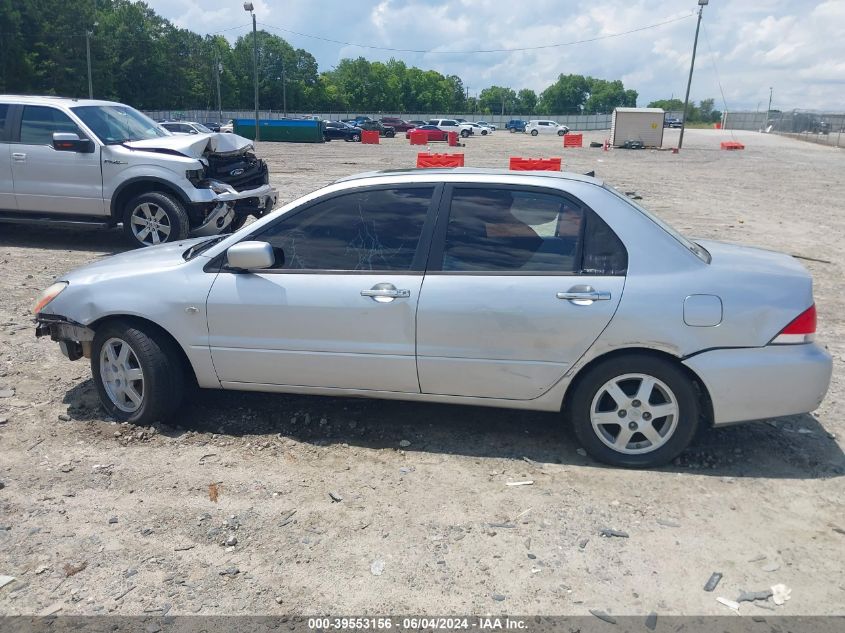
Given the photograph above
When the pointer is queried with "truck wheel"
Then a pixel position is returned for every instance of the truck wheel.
(138, 374)
(512, 130)
(636, 411)
(155, 218)
(464, 133)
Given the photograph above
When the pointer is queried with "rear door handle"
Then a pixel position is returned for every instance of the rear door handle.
(594, 295)
(385, 292)
(19, 156)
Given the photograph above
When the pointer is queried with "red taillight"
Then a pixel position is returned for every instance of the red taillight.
(802, 329)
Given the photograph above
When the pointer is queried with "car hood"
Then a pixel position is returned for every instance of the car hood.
(141, 261)
(194, 145)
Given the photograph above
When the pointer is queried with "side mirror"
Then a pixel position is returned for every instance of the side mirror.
(70, 142)
(250, 255)
(193, 131)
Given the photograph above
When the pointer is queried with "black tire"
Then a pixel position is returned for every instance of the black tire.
(588, 385)
(534, 132)
(163, 382)
(483, 132)
(464, 133)
(356, 138)
(175, 219)
(561, 132)
(512, 130)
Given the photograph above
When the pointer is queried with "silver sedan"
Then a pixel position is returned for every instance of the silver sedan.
(531, 290)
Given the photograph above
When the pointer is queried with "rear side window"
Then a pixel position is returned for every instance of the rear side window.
(4, 110)
(377, 229)
(504, 230)
(39, 123)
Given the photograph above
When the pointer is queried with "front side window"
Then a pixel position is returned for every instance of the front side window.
(4, 110)
(39, 123)
(377, 229)
(504, 230)
(115, 124)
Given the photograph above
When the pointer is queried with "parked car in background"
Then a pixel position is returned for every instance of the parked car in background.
(100, 163)
(357, 120)
(432, 132)
(480, 129)
(516, 125)
(672, 122)
(453, 125)
(537, 291)
(228, 127)
(417, 123)
(383, 130)
(185, 127)
(214, 126)
(542, 126)
(485, 124)
(341, 130)
(399, 125)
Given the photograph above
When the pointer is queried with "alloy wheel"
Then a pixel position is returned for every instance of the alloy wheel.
(634, 413)
(122, 376)
(150, 224)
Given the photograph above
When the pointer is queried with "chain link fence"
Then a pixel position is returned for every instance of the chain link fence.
(825, 128)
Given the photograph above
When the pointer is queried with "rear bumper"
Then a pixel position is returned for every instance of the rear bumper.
(763, 382)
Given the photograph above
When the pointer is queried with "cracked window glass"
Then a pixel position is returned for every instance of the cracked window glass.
(368, 230)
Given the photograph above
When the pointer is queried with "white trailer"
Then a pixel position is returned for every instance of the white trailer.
(637, 124)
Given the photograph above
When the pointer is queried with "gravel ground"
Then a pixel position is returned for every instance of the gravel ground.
(231, 510)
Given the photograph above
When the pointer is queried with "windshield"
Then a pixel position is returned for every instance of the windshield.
(697, 250)
(115, 124)
(202, 128)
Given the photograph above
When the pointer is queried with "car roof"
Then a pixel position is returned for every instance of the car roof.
(475, 171)
(50, 100)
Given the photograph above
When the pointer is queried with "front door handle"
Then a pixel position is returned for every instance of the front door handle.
(584, 295)
(385, 293)
(19, 156)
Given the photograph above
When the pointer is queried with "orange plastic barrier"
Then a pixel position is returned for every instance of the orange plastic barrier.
(535, 164)
(573, 140)
(717, 125)
(418, 138)
(732, 145)
(452, 138)
(369, 136)
(440, 160)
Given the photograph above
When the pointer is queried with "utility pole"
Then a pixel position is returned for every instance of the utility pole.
(284, 89)
(218, 68)
(771, 90)
(248, 7)
(88, 55)
(701, 5)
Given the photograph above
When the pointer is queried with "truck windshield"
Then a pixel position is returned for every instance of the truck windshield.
(115, 124)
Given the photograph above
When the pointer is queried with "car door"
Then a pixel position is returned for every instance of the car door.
(520, 283)
(52, 181)
(338, 310)
(7, 188)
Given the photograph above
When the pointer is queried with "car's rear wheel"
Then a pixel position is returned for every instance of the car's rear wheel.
(512, 130)
(138, 374)
(155, 218)
(638, 411)
(534, 132)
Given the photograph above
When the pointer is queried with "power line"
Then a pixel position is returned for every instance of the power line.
(483, 50)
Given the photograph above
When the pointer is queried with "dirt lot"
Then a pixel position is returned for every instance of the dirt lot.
(97, 517)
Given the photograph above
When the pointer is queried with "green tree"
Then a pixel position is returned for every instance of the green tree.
(497, 100)
(566, 96)
(526, 101)
(667, 104)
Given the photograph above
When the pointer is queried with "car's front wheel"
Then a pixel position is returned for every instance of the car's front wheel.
(561, 132)
(356, 138)
(483, 132)
(464, 133)
(155, 218)
(138, 374)
(534, 132)
(638, 411)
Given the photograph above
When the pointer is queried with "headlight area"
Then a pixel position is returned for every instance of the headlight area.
(47, 295)
(73, 339)
(199, 180)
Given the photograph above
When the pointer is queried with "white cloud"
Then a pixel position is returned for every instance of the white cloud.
(793, 45)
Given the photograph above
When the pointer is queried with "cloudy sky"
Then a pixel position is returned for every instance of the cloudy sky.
(794, 46)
